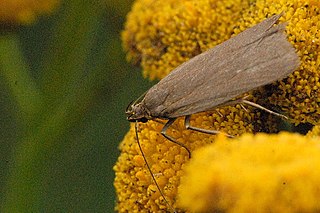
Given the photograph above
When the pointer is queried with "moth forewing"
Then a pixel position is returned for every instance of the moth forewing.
(225, 72)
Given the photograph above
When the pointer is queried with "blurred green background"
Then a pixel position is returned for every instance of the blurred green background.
(64, 84)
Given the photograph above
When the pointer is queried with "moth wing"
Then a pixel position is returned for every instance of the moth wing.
(255, 57)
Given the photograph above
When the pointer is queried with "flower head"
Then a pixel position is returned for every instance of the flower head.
(163, 34)
(134, 185)
(262, 173)
(25, 11)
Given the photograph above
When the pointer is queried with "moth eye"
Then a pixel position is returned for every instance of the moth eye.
(143, 120)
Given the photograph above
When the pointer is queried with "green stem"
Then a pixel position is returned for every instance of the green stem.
(25, 185)
(17, 77)
(71, 41)
(68, 100)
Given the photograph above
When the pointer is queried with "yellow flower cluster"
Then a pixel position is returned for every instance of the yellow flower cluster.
(261, 173)
(163, 34)
(160, 35)
(25, 11)
(135, 189)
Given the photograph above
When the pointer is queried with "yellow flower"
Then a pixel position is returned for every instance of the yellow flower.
(25, 11)
(134, 186)
(261, 173)
(163, 34)
(160, 35)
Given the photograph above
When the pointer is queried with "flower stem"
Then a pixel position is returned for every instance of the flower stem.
(17, 76)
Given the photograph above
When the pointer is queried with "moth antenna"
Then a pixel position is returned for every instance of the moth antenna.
(149, 169)
(158, 121)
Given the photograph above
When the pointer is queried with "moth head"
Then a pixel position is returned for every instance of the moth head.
(137, 112)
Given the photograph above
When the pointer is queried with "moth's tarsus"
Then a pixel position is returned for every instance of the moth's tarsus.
(164, 133)
(207, 131)
(244, 101)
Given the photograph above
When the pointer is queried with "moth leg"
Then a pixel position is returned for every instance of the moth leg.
(243, 107)
(243, 101)
(158, 121)
(164, 133)
(207, 131)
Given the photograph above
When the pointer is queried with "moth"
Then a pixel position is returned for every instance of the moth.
(255, 57)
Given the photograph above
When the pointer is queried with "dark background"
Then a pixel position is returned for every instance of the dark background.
(61, 160)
